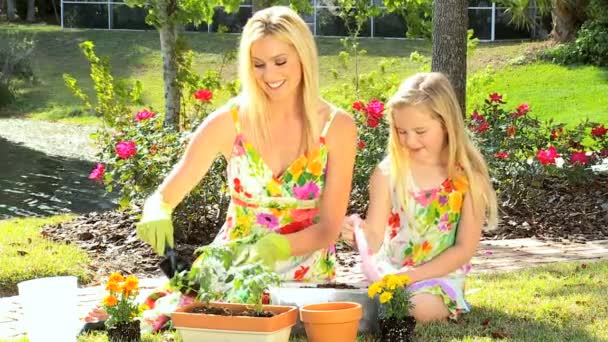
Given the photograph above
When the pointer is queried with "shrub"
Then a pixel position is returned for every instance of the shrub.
(15, 66)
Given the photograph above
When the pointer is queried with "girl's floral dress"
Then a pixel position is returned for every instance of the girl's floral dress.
(421, 233)
(263, 201)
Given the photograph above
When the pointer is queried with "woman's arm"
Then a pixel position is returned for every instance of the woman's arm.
(467, 240)
(379, 208)
(341, 142)
(215, 135)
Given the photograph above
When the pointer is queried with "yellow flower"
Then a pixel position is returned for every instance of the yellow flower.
(313, 155)
(393, 282)
(273, 188)
(461, 184)
(297, 168)
(315, 168)
(116, 277)
(240, 231)
(244, 220)
(455, 201)
(374, 289)
(385, 297)
(113, 286)
(110, 300)
(404, 280)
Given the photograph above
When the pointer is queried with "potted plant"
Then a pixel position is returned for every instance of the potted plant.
(396, 323)
(230, 295)
(122, 325)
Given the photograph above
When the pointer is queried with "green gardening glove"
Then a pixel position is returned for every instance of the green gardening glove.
(269, 249)
(155, 226)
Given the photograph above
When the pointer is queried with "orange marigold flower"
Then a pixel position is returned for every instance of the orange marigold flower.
(461, 184)
(131, 283)
(116, 277)
(110, 300)
(112, 286)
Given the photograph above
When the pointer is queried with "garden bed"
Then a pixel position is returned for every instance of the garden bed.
(557, 212)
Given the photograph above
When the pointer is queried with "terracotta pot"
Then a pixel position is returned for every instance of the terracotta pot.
(207, 327)
(335, 322)
(124, 332)
(397, 330)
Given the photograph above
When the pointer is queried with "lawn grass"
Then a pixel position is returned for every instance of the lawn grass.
(560, 302)
(564, 93)
(25, 254)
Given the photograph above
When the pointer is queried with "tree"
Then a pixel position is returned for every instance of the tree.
(31, 11)
(169, 17)
(567, 15)
(449, 56)
(11, 10)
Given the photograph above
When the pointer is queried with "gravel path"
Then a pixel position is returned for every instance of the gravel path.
(52, 138)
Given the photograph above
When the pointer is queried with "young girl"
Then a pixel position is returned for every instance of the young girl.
(429, 199)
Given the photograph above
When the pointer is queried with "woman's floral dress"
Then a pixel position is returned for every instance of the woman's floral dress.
(263, 201)
(421, 233)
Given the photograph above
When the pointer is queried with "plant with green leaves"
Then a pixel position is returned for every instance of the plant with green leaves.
(15, 65)
(522, 152)
(222, 272)
(114, 98)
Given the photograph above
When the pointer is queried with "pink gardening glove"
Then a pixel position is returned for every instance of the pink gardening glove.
(367, 263)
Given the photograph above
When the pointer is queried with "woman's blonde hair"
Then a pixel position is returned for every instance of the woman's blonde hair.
(434, 91)
(285, 24)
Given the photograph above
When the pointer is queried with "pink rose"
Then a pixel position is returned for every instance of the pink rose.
(144, 115)
(97, 173)
(125, 149)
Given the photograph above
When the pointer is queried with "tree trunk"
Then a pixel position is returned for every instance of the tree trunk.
(11, 10)
(168, 45)
(568, 16)
(450, 20)
(31, 11)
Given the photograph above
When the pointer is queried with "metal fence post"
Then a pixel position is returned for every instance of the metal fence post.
(493, 28)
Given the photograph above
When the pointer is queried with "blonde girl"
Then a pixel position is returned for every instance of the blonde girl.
(429, 199)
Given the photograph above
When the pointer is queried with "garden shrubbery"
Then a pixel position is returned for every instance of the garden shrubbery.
(524, 154)
(591, 43)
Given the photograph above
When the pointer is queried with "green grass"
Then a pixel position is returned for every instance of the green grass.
(566, 94)
(25, 254)
(560, 302)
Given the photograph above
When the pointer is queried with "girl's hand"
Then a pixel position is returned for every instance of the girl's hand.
(347, 231)
(97, 314)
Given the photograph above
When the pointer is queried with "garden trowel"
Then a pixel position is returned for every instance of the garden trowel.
(173, 263)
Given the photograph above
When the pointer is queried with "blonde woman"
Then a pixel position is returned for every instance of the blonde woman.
(429, 199)
(290, 158)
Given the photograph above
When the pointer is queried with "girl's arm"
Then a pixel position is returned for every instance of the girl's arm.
(341, 142)
(379, 208)
(215, 135)
(467, 240)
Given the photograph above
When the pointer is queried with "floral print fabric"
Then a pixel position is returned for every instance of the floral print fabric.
(423, 231)
(284, 203)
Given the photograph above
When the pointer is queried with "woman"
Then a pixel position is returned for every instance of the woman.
(290, 155)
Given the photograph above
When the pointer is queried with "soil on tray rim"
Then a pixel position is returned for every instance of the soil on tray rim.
(213, 310)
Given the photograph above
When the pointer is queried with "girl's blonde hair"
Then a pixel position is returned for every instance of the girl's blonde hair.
(434, 91)
(285, 24)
